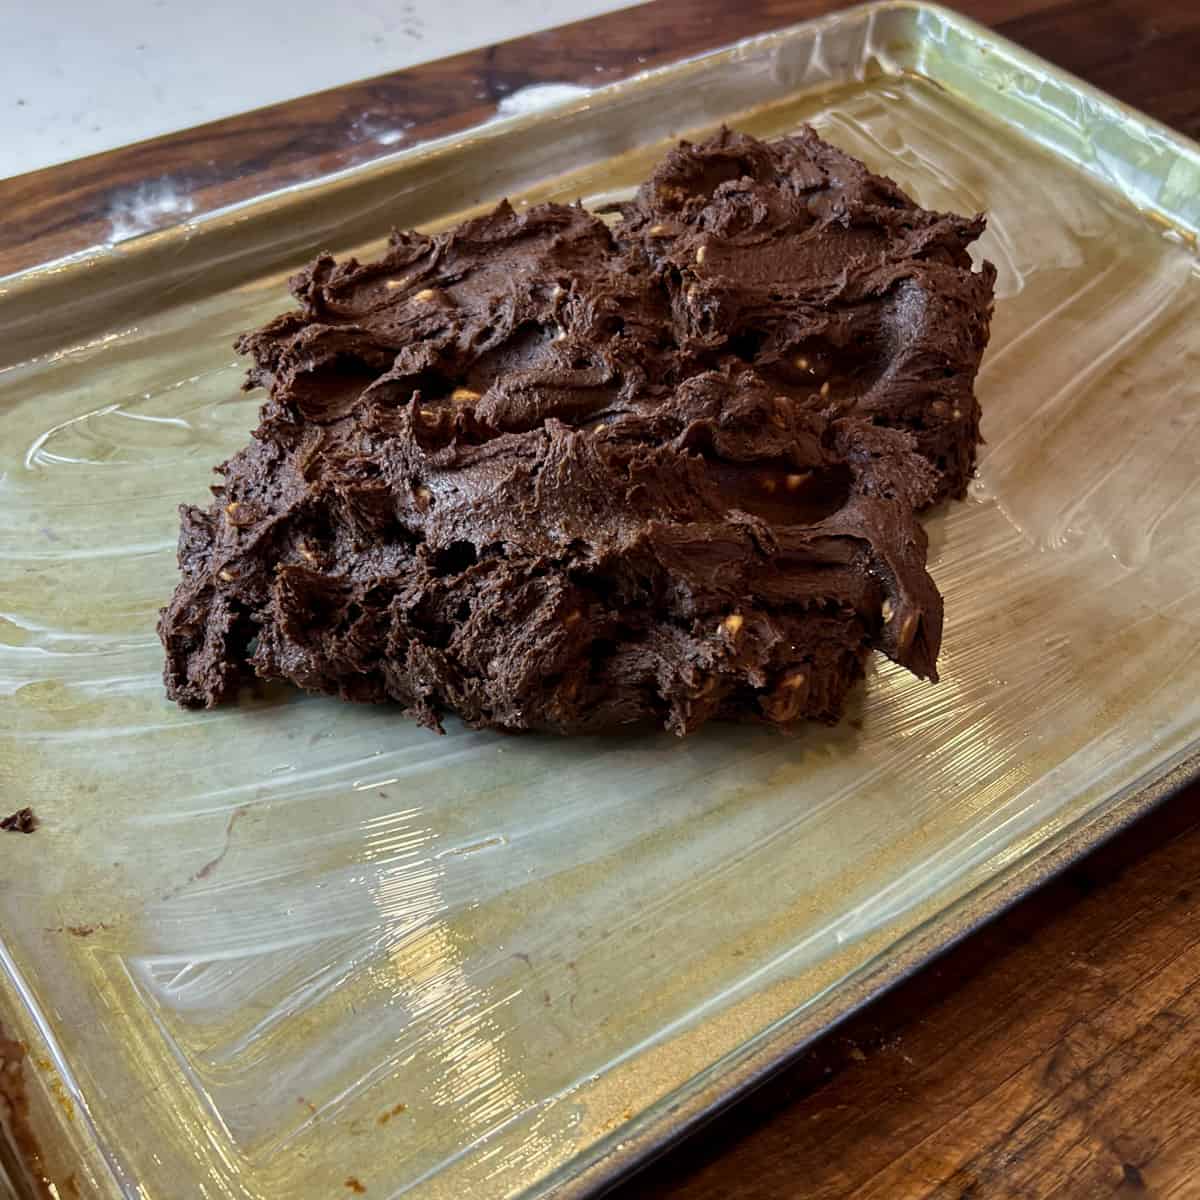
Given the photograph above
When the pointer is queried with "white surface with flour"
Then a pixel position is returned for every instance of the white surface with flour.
(81, 77)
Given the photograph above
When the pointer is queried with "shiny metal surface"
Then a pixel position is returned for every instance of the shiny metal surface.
(277, 948)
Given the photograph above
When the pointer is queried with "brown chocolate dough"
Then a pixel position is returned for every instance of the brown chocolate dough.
(546, 474)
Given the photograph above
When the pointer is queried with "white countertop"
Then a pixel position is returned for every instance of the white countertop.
(81, 76)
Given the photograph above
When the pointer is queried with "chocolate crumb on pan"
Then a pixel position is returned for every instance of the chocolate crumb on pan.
(24, 820)
(548, 474)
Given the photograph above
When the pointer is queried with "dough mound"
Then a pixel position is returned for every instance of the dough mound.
(547, 474)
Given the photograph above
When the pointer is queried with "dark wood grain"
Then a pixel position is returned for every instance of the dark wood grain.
(1057, 1052)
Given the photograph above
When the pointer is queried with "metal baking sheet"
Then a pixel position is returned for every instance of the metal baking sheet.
(298, 947)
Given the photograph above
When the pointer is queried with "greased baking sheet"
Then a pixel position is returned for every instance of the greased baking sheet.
(297, 948)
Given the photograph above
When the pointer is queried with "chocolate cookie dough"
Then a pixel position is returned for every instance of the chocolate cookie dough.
(546, 474)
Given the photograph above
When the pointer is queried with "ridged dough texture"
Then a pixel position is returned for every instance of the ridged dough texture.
(545, 473)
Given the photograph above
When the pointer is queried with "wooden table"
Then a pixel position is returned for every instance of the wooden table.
(1057, 1051)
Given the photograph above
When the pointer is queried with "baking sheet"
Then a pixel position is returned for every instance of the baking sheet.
(298, 947)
